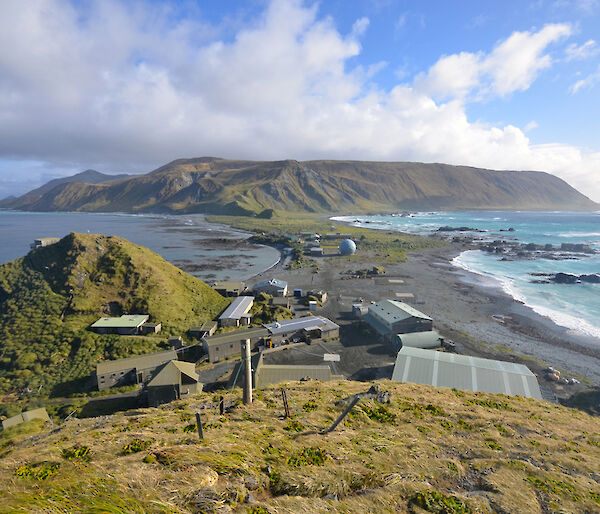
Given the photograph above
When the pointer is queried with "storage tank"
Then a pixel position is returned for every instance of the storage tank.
(347, 247)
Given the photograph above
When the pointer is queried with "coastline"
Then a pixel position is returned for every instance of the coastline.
(486, 321)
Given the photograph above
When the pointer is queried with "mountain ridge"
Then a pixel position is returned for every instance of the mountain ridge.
(226, 186)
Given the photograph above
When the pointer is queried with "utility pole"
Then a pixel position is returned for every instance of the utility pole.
(248, 365)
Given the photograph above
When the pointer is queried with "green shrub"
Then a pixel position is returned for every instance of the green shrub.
(135, 446)
(38, 471)
(434, 501)
(192, 427)
(464, 425)
(380, 414)
(294, 426)
(494, 445)
(310, 456)
(77, 452)
(436, 411)
(309, 406)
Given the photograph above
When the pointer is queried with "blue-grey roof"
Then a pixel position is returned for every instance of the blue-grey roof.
(442, 369)
(392, 311)
(305, 323)
(274, 282)
(239, 306)
(428, 339)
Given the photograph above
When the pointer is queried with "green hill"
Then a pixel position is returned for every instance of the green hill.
(428, 450)
(49, 298)
(221, 186)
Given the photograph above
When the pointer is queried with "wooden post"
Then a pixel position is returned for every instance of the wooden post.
(342, 415)
(199, 424)
(248, 382)
(221, 406)
(285, 404)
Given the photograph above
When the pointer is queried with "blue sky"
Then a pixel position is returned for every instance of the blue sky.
(125, 86)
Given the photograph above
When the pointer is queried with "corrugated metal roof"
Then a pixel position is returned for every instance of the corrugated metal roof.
(125, 321)
(306, 323)
(274, 282)
(392, 311)
(237, 335)
(429, 339)
(442, 369)
(139, 361)
(267, 374)
(239, 306)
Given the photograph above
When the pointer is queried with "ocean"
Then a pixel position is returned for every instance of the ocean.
(207, 251)
(575, 306)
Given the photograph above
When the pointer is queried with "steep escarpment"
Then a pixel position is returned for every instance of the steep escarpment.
(223, 186)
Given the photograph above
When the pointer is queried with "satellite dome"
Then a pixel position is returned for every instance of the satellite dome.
(347, 247)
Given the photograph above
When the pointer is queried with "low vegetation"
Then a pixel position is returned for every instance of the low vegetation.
(387, 247)
(428, 450)
(49, 298)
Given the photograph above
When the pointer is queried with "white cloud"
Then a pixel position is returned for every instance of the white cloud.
(122, 86)
(532, 125)
(586, 83)
(584, 51)
(512, 66)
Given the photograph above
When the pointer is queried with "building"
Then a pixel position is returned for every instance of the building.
(26, 416)
(206, 330)
(442, 369)
(337, 236)
(429, 339)
(316, 251)
(128, 324)
(309, 328)
(321, 296)
(390, 317)
(221, 346)
(267, 374)
(231, 315)
(274, 287)
(150, 328)
(133, 370)
(280, 301)
(175, 342)
(43, 241)
(228, 289)
(172, 381)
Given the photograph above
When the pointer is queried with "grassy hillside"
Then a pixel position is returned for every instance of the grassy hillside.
(429, 450)
(50, 297)
(221, 186)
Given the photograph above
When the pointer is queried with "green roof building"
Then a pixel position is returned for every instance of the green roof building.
(128, 324)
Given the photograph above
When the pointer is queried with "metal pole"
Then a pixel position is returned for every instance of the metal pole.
(354, 401)
(248, 381)
(199, 425)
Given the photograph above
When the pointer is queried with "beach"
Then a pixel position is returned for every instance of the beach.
(467, 308)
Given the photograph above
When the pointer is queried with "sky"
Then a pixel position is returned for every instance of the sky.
(127, 86)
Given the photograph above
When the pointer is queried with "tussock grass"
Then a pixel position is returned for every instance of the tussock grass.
(428, 450)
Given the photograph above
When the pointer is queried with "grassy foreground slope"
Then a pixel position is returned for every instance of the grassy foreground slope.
(49, 298)
(429, 450)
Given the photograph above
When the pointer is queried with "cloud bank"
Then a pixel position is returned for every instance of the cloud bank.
(124, 86)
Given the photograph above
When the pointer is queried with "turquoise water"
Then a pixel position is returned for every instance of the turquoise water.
(205, 250)
(575, 306)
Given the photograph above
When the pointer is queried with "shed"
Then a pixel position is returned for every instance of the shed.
(273, 287)
(316, 251)
(390, 317)
(228, 288)
(207, 329)
(232, 314)
(40, 413)
(221, 346)
(173, 381)
(442, 369)
(133, 370)
(128, 324)
(150, 328)
(43, 241)
(429, 339)
(267, 374)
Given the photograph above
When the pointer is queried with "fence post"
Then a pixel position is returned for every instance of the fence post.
(354, 401)
(199, 424)
(285, 404)
(221, 406)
